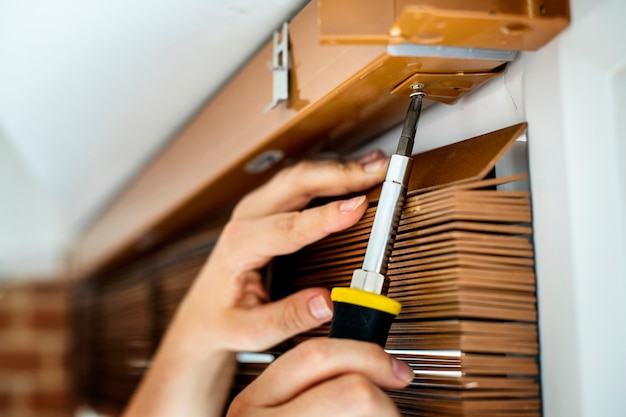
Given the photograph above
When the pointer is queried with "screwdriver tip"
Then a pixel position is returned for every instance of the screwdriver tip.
(405, 145)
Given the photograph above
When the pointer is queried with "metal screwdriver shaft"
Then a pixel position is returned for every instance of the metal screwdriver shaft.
(361, 312)
(407, 137)
(371, 276)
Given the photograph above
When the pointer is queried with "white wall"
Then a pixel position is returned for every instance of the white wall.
(575, 92)
(33, 234)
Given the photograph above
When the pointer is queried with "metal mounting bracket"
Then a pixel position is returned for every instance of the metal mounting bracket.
(280, 66)
(438, 51)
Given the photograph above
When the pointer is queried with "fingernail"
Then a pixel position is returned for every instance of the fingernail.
(376, 165)
(402, 370)
(371, 156)
(319, 308)
(351, 204)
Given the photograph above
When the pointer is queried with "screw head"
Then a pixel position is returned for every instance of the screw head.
(417, 86)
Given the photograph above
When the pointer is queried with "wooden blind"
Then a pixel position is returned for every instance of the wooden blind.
(121, 316)
(462, 267)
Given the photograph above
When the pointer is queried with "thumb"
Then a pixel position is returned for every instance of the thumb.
(267, 325)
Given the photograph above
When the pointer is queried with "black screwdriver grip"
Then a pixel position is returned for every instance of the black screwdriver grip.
(360, 315)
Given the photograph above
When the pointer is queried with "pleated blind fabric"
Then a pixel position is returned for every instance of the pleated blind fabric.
(462, 267)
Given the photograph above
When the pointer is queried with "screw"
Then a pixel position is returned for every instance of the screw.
(417, 90)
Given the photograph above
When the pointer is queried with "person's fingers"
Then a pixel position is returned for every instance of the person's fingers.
(248, 244)
(317, 360)
(266, 325)
(348, 395)
(294, 187)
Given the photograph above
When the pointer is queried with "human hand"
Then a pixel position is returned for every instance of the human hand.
(329, 377)
(228, 309)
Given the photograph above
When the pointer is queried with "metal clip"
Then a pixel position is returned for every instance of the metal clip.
(280, 65)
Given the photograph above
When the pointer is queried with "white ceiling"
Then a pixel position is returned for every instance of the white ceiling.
(89, 90)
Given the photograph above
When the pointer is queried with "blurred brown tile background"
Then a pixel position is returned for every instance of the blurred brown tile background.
(34, 344)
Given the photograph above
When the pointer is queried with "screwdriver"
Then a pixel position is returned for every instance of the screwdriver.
(361, 311)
